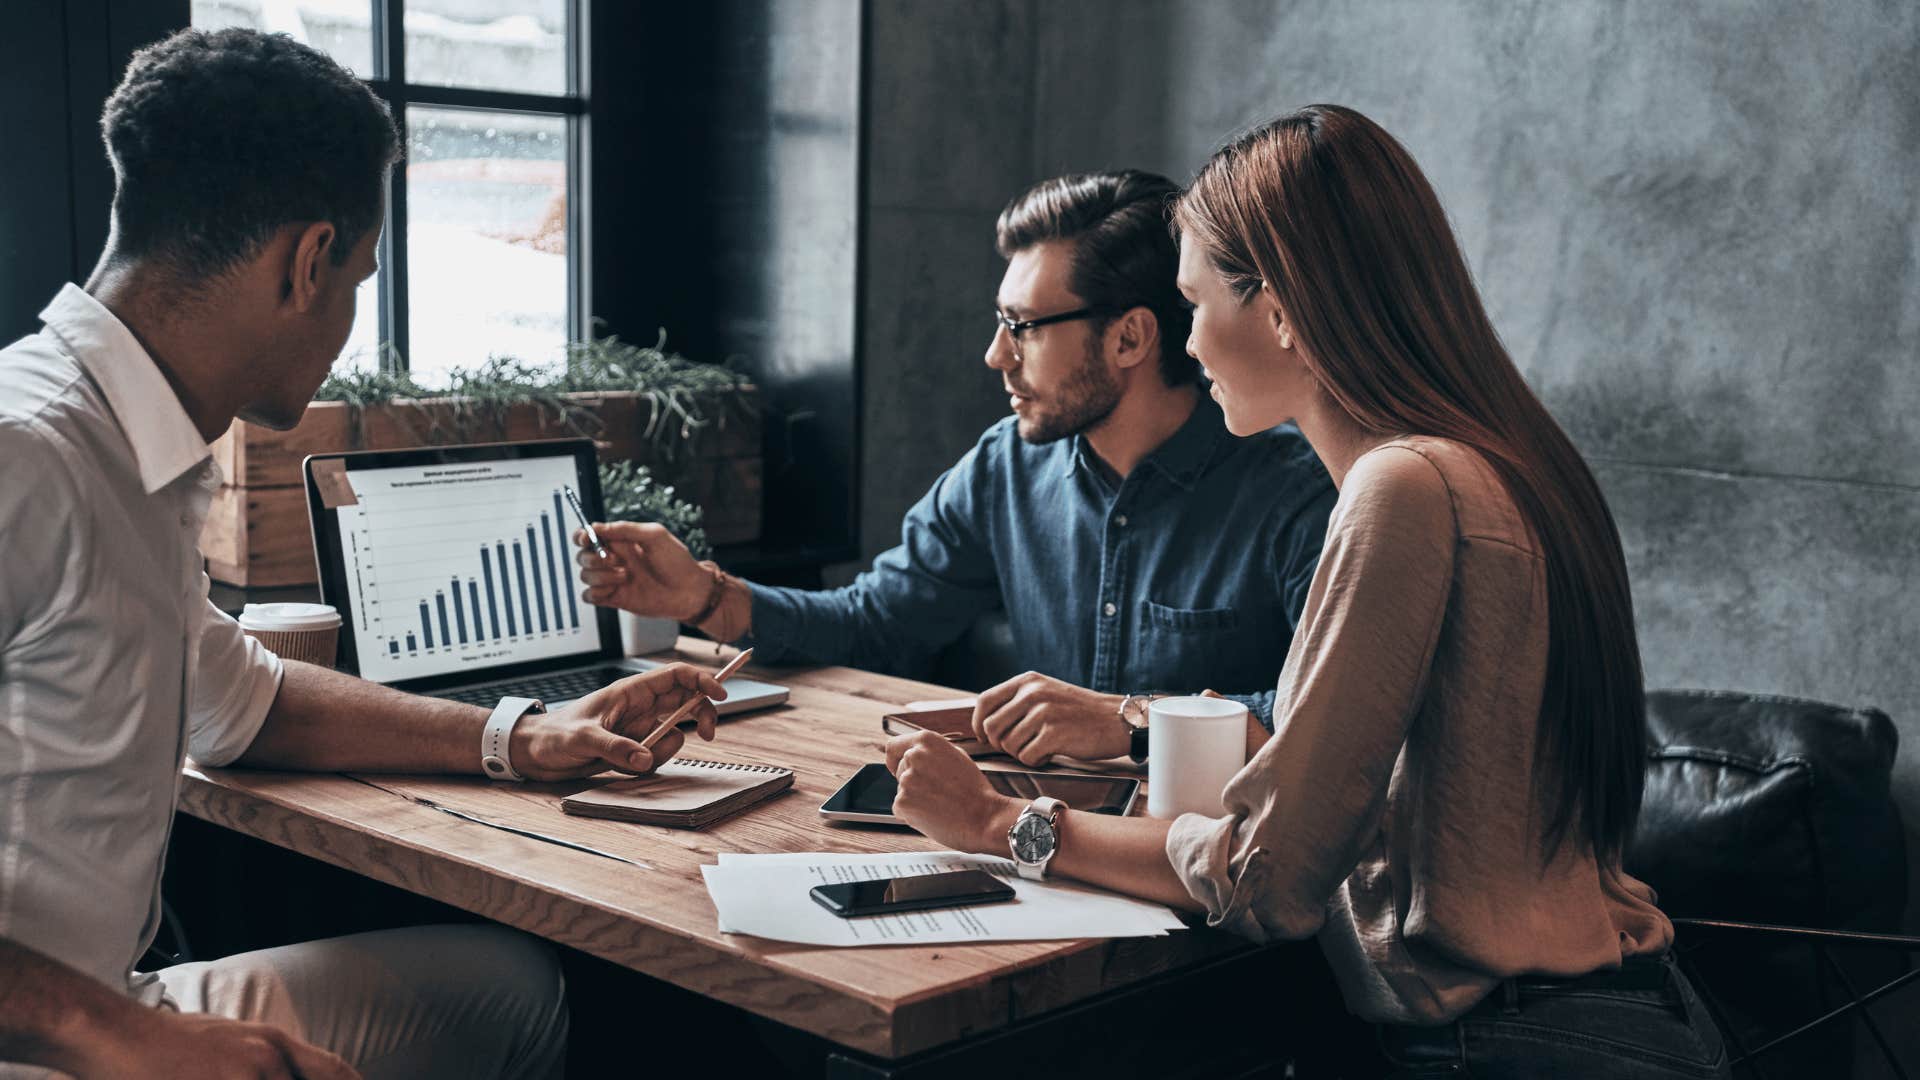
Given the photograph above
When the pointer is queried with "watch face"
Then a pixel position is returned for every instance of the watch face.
(1033, 838)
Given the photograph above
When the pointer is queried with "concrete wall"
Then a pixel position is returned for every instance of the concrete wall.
(1695, 225)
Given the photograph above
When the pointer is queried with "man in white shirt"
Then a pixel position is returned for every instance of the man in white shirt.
(250, 173)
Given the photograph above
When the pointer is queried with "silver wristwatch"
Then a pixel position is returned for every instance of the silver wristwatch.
(1035, 837)
(499, 730)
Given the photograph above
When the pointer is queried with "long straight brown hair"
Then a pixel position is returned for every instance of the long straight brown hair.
(1332, 214)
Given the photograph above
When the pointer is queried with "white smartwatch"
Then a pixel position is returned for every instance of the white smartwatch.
(1035, 837)
(493, 741)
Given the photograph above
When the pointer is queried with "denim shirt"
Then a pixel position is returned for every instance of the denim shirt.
(1188, 575)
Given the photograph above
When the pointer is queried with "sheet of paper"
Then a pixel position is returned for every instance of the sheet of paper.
(766, 896)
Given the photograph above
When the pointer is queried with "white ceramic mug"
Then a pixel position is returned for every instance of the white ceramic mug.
(309, 632)
(640, 635)
(1194, 746)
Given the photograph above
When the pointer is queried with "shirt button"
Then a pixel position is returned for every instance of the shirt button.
(1120, 520)
(1109, 610)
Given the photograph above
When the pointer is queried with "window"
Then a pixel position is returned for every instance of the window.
(479, 256)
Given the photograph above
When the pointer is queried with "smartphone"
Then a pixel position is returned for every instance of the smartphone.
(868, 795)
(917, 893)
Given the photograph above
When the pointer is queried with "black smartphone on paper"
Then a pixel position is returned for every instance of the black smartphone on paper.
(886, 896)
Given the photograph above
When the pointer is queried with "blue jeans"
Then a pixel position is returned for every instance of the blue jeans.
(1644, 1021)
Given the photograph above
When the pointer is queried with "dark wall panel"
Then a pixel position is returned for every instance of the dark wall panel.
(61, 60)
(725, 195)
(36, 209)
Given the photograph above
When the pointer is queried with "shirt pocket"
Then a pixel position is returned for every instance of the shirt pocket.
(1187, 650)
(1197, 620)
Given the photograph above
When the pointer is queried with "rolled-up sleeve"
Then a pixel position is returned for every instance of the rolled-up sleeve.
(1302, 812)
(235, 680)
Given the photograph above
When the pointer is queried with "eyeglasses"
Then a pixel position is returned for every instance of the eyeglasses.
(1016, 328)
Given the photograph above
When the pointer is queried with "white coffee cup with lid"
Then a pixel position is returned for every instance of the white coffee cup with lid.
(308, 632)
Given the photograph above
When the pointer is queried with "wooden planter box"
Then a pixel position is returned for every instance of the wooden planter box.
(257, 532)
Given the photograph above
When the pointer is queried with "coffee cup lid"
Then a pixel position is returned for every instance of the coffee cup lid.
(285, 617)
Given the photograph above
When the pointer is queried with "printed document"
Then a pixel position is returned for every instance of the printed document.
(767, 896)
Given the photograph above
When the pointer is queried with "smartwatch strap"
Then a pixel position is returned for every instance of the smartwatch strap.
(494, 760)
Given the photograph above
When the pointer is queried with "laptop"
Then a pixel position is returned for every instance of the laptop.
(453, 570)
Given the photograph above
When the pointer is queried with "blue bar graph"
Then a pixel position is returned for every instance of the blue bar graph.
(493, 609)
(566, 573)
(471, 617)
(553, 565)
(506, 594)
(520, 574)
(539, 593)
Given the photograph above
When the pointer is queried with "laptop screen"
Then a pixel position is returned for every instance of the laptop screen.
(455, 565)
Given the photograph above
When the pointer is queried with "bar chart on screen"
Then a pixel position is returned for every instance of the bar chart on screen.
(461, 564)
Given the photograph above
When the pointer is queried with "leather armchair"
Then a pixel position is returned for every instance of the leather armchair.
(1769, 825)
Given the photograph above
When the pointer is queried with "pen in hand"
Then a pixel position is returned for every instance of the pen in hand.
(680, 713)
(593, 538)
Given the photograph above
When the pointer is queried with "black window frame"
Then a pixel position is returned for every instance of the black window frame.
(389, 56)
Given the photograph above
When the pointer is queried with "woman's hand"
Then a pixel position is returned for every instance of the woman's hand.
(945, 796)
(603, 730)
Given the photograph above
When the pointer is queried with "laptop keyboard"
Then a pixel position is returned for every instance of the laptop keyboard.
(560, 686)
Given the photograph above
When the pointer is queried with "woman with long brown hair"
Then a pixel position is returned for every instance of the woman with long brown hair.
(1459, 736)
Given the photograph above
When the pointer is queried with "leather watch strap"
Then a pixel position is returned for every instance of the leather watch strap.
(1048, 807)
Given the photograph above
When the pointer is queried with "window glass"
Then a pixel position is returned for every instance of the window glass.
(343, 29)
(362, 351)
(486, 239)
(488, 44)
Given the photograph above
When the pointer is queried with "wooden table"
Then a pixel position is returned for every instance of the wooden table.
(889, 1003)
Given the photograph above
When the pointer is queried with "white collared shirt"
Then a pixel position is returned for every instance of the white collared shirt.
(113, 663)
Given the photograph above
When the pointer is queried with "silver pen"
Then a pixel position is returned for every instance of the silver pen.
(593, 539)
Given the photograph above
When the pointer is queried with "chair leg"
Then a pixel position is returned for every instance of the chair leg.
(1742, 1057)
(1866, 1017)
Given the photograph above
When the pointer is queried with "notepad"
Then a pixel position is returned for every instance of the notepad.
(685, 793)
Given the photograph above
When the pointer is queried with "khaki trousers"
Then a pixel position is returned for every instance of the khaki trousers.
(467, 1001)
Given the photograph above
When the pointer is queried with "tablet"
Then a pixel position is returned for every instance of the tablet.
(868, 796)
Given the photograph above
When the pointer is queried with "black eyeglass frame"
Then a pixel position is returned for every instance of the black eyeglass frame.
(1016, 328)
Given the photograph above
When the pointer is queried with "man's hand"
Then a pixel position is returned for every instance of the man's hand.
(943, 794)
(163, 1044)
(1033, 717)
(1257, 735)
(603, 730)
(648, 571)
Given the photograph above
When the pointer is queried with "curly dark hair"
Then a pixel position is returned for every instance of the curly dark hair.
(1123, 254)
(219, 138)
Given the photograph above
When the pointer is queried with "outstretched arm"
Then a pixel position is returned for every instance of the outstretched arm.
(322, 719)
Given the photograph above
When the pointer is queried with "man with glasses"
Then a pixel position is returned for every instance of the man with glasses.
(1135, 546)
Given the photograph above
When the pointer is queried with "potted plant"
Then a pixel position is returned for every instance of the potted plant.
(696, 425)
(629, 492)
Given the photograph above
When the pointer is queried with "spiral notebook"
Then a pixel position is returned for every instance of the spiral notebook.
(685, 793)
